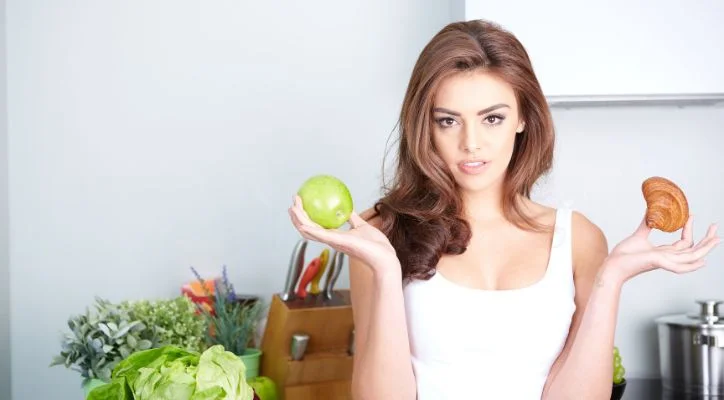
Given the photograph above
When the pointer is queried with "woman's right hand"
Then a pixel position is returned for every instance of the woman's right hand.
(362, 240)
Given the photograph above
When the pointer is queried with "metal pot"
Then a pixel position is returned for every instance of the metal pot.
(691, 350)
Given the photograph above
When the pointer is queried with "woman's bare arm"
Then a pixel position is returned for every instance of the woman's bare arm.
(584, 369)
(382, 364)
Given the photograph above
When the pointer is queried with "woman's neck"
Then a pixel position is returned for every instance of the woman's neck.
(485, 205)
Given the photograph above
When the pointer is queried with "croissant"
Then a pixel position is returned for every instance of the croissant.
(666, 206)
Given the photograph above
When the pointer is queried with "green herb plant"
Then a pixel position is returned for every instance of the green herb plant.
(101, 338)
(174, 321)
(231, 323)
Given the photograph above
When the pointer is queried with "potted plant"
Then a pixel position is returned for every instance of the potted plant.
(174, 321)
(619, 376)
(232, 321)
(99, 340)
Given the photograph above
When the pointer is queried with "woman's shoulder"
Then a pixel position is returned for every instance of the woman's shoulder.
(372, 217)
(588, 239)
(582, 226)
(586, 233)
(589, 244)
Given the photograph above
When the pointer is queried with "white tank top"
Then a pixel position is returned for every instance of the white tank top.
(470, 344)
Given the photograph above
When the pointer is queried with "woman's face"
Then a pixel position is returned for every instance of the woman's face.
(475, 122)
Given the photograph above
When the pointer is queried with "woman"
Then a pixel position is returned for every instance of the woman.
(463, 287)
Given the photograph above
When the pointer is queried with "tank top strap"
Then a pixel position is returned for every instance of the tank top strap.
(561, 257)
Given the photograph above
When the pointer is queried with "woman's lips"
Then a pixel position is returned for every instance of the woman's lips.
(473, 167)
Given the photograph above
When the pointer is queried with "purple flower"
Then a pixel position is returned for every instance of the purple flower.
(231, 295)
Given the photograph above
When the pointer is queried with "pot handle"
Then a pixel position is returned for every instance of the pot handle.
(701, 339)
(710, 309)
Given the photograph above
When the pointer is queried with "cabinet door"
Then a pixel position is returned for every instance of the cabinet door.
(615, 48)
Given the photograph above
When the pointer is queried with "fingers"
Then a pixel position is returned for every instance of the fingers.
(356, 221)
(687, 235)
(301, 220)
(710, 235)
(298, 210)
(299, 225)
(667, 262)
(689, 259)
(682, 268)
(699, 251)
(711, 232)
(312, 231)
(643, 229)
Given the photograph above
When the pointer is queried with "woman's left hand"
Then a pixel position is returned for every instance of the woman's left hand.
(636, 254)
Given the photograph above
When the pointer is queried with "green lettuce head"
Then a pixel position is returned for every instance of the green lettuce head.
(172, 373)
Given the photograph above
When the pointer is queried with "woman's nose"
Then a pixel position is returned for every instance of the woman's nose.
(472, 139)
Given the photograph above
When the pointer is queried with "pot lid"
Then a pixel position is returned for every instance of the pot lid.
(710, 315)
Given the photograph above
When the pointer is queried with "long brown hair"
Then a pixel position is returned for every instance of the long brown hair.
(421, 210)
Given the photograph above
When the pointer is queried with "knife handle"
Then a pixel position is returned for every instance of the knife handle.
(323, 261)
(296, 264)
(311, 270)
(337, 263)
(330, 272)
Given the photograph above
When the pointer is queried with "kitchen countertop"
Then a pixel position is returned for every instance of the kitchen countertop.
(651, 389)
(643, 389)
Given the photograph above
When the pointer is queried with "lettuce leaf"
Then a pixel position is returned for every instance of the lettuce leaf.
(117, 389)
(220, 368)
(172, 373)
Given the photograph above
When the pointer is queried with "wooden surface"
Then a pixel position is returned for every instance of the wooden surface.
(319, 367)
(325, 371)
(338, 390)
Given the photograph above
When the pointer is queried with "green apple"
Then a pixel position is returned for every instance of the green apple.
(264, 387)
(326, 200)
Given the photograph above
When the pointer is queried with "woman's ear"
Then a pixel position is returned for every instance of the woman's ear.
(521, 126)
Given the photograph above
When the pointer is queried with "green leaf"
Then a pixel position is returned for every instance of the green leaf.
(138, 326)
(131, 341)
(104, 328)
(117, 389)
(125, 351)
(105, 374)
(121, 332)
(57, 360)
(220, 368)
(144, 344)
(97, 344)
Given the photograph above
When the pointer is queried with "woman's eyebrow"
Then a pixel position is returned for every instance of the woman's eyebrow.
(481, 112)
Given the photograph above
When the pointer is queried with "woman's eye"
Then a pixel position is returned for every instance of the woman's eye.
(446, 122)
(494, 119)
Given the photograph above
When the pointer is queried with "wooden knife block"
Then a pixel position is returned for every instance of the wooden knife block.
(325, 371)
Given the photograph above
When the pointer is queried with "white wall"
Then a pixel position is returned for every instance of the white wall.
(4, 257)
(602, 156)
(150, 138)
(145, 140)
